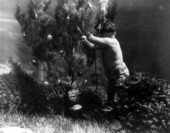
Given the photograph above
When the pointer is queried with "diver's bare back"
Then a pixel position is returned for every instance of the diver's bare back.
(112, 54)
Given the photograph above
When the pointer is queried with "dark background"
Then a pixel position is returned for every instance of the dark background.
(143, 31)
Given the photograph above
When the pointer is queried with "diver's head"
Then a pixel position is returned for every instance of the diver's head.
(108, 28)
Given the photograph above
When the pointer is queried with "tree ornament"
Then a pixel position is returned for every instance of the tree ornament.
(85, 81)
(49, 37)
(59, 82)
(61, 52)
(34, 62)
(24, 34)
(68, 17)
(46, 83)
(79, 73)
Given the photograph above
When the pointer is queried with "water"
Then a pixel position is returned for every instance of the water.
(11, 41)
(143, 31)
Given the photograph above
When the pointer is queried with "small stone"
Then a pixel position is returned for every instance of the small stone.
(115, 125)
(153, 127)
(163, 122)
(107, 109)
(126, 106)
(137, 110)
(76, 107)
(156, 120)
(150, 121)
(129, 124)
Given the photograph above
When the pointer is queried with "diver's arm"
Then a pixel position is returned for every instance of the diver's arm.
(89, 44)
(99, 40)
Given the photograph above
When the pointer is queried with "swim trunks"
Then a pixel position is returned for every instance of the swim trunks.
(117, 75)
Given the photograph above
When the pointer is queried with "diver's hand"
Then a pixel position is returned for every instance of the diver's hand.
(83, 38)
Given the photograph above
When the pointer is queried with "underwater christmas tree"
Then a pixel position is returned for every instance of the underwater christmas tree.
(48, 27)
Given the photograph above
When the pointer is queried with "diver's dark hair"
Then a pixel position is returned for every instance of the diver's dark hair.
(108, 27)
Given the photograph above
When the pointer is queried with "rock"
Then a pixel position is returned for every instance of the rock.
(4, 69)
(76, 107)
(107, 109)
(128, 124)
(153, 127)
(155, 119)
(115, 125)
(15, 130)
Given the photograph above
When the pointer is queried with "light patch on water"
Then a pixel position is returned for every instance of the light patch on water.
(11, 34)
(14, 34)
(161, 7)
(5, 69)
(8, 20)
(3, 30)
